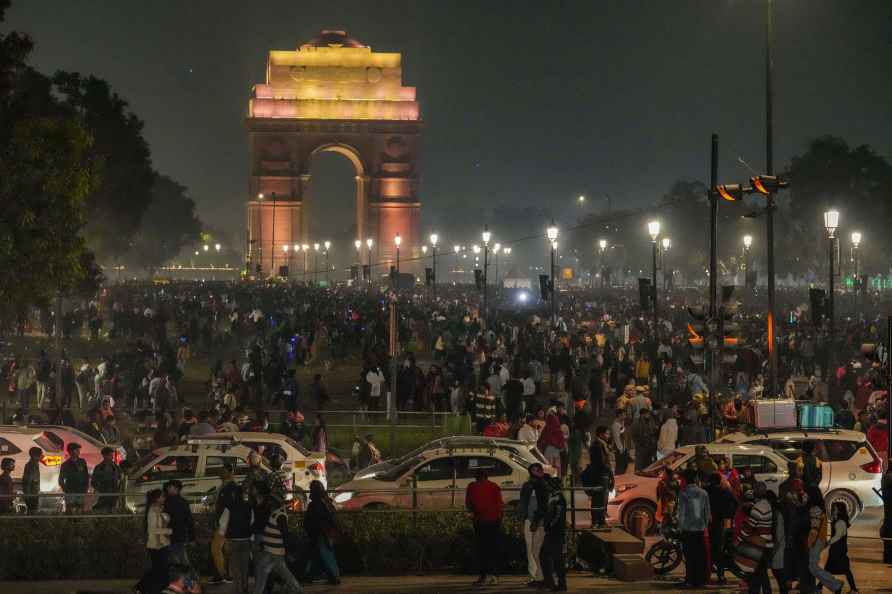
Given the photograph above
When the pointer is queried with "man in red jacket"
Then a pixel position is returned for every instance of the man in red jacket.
(878, 436)
(484, 500)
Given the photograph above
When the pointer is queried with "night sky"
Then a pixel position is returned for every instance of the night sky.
(524, 102)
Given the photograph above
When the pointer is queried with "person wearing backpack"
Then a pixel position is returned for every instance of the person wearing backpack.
(551, 557)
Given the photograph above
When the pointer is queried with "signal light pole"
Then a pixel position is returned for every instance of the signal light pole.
(552, 234)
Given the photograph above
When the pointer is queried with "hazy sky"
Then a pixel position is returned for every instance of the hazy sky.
(524, 102)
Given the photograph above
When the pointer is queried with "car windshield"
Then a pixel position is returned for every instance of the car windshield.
(392, 474)
(654, 470)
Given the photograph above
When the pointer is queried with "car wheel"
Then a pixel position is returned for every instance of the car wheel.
(640, 513)
(853, 506)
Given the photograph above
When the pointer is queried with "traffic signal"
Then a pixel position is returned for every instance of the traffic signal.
(731, 192)
(544, 287)
(697, 331)
(478, 279)
(767, 184)
(645, 294)
(818, 299)
(730, 329)
(428, 277)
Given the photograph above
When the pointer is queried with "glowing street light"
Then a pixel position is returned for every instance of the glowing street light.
(217, 246)
(653, 229)
(581, 199)
(856, 239)
(831, 222)
(475, 248)
(552, 233)
(397, 240)
(667, 243)
(602, 244)
(369, 243)
(424, 249)
(747, 241)
(206, 247)
(434, 239)
(357, 244)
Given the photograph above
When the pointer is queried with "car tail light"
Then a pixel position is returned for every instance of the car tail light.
(50, 460)
(317, 468)
(873, 467)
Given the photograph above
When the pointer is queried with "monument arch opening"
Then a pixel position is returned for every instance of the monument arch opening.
(333, 94)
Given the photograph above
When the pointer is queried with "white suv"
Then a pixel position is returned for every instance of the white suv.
(198, 467)
(851, 469)
(306, 466)
(436, 478)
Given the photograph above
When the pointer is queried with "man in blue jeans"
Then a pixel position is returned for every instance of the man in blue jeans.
(693, 517)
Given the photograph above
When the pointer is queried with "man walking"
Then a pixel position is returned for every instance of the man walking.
(644, 437)
(598, 476)
(483, 499)
(271, 534)
(693, 518)
(181, 521)
(531, 511)
(552, 557)
(74, 479)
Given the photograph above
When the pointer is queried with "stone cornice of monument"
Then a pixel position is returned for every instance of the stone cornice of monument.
(333, 77)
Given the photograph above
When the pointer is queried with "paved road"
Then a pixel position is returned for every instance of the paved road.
(866, 556)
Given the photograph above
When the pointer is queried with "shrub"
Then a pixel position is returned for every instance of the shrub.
(53, 547)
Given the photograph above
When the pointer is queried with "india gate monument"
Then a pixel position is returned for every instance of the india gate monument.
(332, 94)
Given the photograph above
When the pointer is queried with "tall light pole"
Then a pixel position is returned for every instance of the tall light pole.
(747, 244)
(831, 224)
(286, 248)
(434, 239)
(327, 245)
(306, 250)
(496, 250)
(653, 229)
(552, 234)
(769, 205)
(358, 245)
(369, 243)
(486, 235)
(397, 241)
(602, 250)
(272, 251)
(258, 268)
(666, 244)
(856, 264)
(457, 250)
(315, 263)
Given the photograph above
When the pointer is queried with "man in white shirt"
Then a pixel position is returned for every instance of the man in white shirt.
(375, 378)
(528, 432)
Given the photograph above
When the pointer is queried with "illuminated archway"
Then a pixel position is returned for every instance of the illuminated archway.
(332, 94)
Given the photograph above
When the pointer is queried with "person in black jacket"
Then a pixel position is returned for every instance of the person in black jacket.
(723, 505)
(551, 558)
(598, 476)
(319, 522)
(235, 522)
(74, 478)
(181, 521)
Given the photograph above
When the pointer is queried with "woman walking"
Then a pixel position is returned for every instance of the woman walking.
(319, 523)
(157, 544)
(838, 557)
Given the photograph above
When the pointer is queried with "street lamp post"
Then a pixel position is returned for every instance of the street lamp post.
(315, 262)
(487, 235)
(653, 229)
(369, 243)
(306, 250)
(666, 243)
(397, 241)
(358, 245)
(552, 234)
(272, 251)
(327, 267)
(457, 250)
(831, 223)
(434, 239)
(856, 263)
(496, 250)
(285, 249)
(258, 268)
(602, 250)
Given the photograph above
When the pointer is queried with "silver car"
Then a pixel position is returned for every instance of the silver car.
(852, 472)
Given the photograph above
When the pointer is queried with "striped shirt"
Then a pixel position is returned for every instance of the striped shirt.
(272, 540)
(759, 523)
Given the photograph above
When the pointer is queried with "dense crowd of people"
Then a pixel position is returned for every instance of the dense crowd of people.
(600, 389)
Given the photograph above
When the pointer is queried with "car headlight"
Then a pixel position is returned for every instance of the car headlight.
(623, 488)
(343, 497)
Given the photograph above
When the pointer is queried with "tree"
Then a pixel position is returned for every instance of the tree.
(46, 173)
(168, 225)
(115, 208)
(857, 182)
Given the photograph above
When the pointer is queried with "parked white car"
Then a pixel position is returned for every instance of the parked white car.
(198, 467)
(852, 472)
(306, 466)
(633, 501)
(16, 442)
(436, 477)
